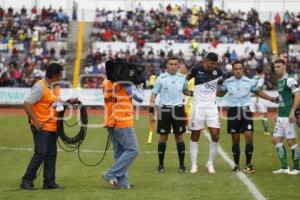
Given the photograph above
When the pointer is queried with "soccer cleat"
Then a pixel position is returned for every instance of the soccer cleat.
(194, 169)
(267, 133)
(236, 168)
(160, 169)
(249, 169)
(210, 168)
(182, 169)
(294, 172)
(282, 171)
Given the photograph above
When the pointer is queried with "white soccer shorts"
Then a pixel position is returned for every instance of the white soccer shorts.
(201, 115)
(284, 128)
(257, 106)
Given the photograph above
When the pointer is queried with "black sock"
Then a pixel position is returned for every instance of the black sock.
(236, 153)
(161, 153)
(181, 152)
(248, 152)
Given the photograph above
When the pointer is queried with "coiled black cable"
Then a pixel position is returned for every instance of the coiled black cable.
(74, 143)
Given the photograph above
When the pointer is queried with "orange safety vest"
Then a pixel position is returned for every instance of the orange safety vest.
(118, 107)
(44, 110)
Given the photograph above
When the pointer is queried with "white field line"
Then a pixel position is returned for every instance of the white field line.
(247, 182)
(83, 150)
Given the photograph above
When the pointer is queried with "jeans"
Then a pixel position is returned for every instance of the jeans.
(45, 150)
(125, 150)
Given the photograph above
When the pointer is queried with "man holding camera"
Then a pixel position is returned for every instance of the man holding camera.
(170, 86)
(40, 106)
(118, 119)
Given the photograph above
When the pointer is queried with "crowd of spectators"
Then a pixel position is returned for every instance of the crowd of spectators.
(180, 24)
(290, 25)
(21, 67)
(155, 62)
(32, 26)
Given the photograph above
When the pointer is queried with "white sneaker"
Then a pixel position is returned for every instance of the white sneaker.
(210, 168)
(282, 171)
(194, 169)
(294, 172)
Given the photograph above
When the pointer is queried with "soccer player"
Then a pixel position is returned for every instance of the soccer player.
(205, 108)
(257, 105)
(239, 117)
(170, 87)
(285, 127)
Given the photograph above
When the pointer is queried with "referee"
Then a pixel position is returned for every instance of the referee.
(239, 117)
(170, 87)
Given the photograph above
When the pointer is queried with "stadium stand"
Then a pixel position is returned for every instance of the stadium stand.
(24, 37)
(180, 24)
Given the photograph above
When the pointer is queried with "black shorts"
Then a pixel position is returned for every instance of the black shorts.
(297, 113)
(171, 116)
(239, 120)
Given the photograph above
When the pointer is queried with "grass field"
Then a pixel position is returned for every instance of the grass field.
(83, 182)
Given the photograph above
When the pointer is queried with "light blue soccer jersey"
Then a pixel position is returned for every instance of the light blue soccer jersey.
(239, 91)
(170, 89)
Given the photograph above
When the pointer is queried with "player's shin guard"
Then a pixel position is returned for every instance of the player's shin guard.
(236, 153)
(249, 153)
(193, 152)
(265, 124)
(295, 156)
(181, 153)
(213, 150)
(282, 155)
(161, 153)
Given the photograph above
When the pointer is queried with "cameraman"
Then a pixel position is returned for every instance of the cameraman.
(118, 119)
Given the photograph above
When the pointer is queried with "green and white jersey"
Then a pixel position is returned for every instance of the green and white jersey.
(287, 86)
(259, 82)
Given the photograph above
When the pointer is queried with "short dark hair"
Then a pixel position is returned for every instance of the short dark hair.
(280, 60)
(212, 56)
(171, 58)
(237, 62)
(259, 69)
(53, 69)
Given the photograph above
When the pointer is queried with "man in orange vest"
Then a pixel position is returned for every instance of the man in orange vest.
(118, 119)
(41, 107)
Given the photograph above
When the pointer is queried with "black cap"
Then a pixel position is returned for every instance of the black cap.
(212, 57)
